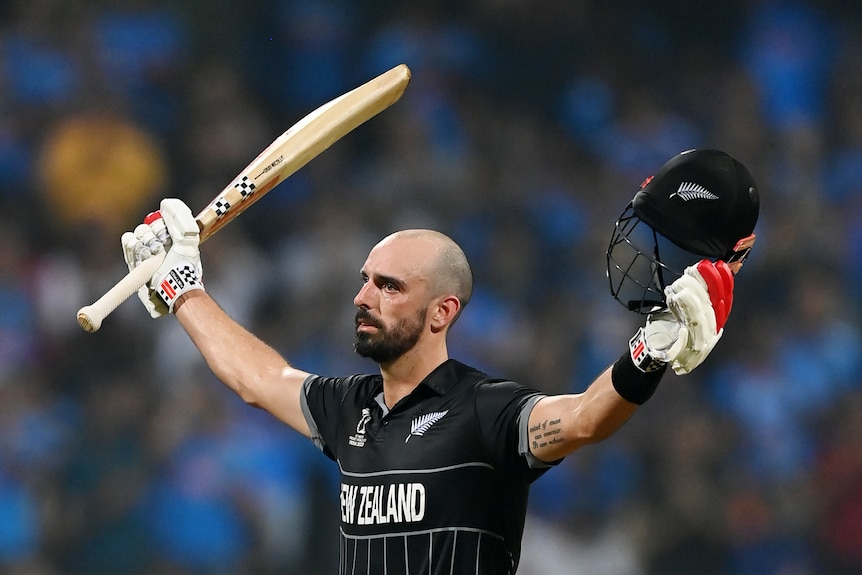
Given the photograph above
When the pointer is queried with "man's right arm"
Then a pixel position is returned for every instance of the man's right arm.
(245, 364)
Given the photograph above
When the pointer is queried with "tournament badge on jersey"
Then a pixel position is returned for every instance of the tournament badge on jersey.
(358, 439)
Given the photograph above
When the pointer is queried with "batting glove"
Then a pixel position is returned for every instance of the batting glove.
(172, 228)
(181, 272)
(684, 334)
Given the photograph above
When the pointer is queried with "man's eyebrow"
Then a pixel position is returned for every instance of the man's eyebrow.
(383, 279)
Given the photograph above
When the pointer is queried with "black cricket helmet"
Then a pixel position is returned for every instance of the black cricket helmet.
(700, 204)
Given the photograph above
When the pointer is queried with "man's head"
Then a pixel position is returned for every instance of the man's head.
(415, 285)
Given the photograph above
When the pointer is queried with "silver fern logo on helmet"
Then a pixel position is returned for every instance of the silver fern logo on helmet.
(691, 191)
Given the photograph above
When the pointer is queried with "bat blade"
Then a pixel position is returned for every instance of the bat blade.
(292, 150)
(301, 143)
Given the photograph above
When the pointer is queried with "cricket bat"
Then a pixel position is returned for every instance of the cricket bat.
(293, 149)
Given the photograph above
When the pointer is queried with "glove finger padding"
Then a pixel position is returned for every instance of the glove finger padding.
(158, 227)
(718, 280)
(135, 252)
(689, 358)
(691, 303)
(148, 238)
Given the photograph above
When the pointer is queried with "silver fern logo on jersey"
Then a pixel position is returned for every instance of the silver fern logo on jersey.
(423, 423)
(691, 191)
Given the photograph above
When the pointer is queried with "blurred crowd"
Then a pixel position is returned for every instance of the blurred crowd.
(527, 128)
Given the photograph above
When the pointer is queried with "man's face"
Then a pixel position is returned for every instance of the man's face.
(385, 343)
(392, 302)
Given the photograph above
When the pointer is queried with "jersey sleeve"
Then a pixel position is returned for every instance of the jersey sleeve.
(503, 409)
(321, 401)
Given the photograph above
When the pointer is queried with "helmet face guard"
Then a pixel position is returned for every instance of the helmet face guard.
(641, 263)
(701, 204)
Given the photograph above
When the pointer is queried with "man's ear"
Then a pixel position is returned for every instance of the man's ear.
(444, 312)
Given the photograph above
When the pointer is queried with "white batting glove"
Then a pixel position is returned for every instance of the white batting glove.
(148, 239)
(181, 272)
(172, 228)
(683, 335)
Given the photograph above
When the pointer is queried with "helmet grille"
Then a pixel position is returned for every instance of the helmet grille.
(641, 262)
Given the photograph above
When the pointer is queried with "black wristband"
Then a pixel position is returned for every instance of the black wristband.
(633, 384)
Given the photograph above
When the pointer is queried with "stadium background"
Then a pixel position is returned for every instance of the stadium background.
(527, 128)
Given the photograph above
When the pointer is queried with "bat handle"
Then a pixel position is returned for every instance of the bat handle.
(90, 317)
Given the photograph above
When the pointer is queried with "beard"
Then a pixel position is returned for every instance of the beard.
(388, 344)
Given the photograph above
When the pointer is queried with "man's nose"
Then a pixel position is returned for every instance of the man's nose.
(361, 298)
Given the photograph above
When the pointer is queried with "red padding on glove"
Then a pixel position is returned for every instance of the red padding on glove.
(152, 216)
(719, 284)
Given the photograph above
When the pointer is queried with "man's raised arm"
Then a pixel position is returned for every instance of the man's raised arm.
(245, 364)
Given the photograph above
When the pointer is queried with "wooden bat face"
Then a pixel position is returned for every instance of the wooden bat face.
(300, 143)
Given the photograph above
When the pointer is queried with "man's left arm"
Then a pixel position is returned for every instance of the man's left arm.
(560, 424)
(681, 337)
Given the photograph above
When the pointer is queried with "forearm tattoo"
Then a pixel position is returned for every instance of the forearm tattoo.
(546, 433)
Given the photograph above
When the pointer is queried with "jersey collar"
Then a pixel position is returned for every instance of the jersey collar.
(446, 376)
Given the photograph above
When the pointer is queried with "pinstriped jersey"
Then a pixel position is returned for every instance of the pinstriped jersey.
(436, 485)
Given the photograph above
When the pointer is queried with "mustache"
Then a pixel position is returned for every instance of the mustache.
(364, 316)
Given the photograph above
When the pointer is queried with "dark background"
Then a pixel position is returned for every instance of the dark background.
(526, 129)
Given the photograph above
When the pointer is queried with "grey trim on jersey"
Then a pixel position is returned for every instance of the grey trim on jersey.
(382, 403)
(412, 471)
(316, 438)
(524, 434)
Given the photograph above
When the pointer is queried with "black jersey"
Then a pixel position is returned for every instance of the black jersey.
(438, 484)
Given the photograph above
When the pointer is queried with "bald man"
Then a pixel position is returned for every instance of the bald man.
(436, 458)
